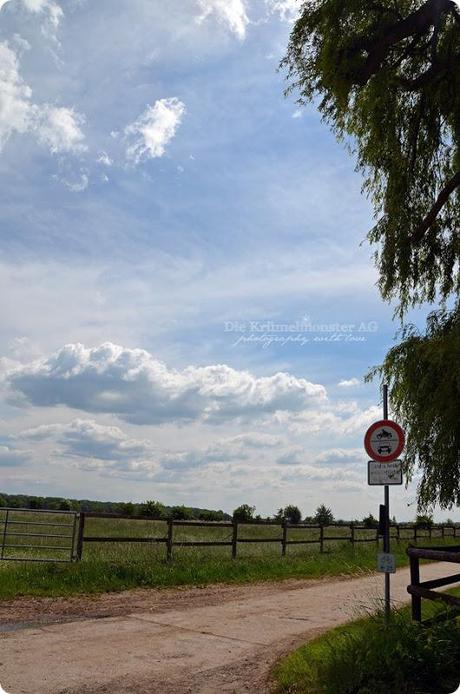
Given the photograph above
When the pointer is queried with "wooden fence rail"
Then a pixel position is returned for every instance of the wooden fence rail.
(234, 539)
(419, 590)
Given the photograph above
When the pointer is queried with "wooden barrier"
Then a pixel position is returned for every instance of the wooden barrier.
(419, 590)
(234, 538)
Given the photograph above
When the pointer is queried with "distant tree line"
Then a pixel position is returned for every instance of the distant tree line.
(149, 509)
(322, 516)
(291, 513)
(155, 509)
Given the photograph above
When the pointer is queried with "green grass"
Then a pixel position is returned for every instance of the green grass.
(116, 566)
(369, 657)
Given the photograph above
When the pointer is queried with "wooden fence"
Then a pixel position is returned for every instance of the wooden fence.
(419, 590)
(352, 536)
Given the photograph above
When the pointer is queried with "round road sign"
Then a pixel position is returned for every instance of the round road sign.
(384, 441)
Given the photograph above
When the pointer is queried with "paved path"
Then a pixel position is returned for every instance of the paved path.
(223, 647)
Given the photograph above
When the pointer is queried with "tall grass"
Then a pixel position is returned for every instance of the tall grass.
(371, 657)
(117, 566)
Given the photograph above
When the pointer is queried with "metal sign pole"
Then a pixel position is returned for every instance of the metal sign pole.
(386, 537)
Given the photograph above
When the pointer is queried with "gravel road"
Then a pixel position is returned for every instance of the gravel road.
(200, 641)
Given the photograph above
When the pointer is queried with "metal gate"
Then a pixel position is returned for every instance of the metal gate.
(38, 535)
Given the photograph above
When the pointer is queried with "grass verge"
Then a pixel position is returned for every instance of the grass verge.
(125, 567)
(369, 657)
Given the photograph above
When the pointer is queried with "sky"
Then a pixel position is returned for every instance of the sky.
(188, 300)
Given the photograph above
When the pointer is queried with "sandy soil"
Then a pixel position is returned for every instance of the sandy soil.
(215, 639)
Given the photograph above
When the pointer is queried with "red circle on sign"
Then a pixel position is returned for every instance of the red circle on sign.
(393, 455)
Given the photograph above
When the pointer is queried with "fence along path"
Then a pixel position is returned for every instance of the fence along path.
(44, 536)
(353, 534)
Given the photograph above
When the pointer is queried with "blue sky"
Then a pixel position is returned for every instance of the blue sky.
(159, 192)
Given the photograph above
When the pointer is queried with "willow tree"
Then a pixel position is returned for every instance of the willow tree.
(386, 77)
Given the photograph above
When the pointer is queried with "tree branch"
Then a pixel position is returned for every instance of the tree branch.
(433, 72)
(441, 200)
(418, 22)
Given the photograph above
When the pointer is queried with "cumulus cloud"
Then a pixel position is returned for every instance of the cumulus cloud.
(58, 128)
(231, 13)
(102, 447)
(350, 383)
(140, 389)
(154, 129)
(85, 438)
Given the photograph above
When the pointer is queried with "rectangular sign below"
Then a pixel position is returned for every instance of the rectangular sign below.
(386, 563)
(384, 473)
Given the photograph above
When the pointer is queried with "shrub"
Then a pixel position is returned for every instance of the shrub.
(153, 509)
(180, 513)
(424, 521)
(324, 515)
(244, 513)
(292, 514)
(370, 522)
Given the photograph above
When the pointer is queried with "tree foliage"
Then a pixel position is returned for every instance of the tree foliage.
(290, 513)
(370, 522)
(245, 512)
(323, 515)
(386, 74)
(424, 376)
(386, 77)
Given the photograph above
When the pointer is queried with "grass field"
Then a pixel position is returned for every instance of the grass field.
(116, 566)
(369, 657)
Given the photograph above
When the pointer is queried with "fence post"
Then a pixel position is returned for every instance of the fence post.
(169, 541)
(284, 540)
(80, 536)
(4, 532)
(415, 533)
(321, 538)
(398, 538)
(234, 539)
(442, 532)
(377, 536)
(415, 581)
(455, 530)
(429, 532)
(352, 533)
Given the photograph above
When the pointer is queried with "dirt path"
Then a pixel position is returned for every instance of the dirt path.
(217, 639)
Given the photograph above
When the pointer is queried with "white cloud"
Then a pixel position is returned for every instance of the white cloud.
(229, 12)
(51, 9)
(140, 389)
(85, 438)
(58, 128)
(350, 383)
(332, 420)
(154, 129)
(15, 106)
(288, 10)
(104, 159)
